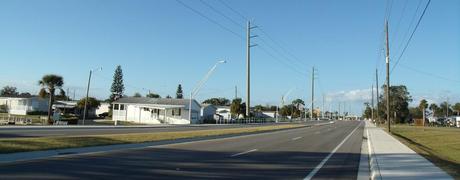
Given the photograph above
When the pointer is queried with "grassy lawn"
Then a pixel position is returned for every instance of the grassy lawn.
(440, 145)
(12, 145)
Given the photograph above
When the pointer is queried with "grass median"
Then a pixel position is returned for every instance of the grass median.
(12, 145)
(440, 145)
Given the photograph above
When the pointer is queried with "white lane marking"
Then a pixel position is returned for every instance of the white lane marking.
(320, 165)
(296, 138)
(245, 152)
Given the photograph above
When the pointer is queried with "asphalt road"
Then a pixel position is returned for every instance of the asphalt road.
(287, 154)
(17, 132)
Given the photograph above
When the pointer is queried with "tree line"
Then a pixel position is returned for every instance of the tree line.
(401, 112)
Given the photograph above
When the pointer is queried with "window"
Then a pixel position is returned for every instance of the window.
(116, 106)
(122, 107)
(176, 112)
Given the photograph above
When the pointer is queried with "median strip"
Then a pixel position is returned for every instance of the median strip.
(52, 143)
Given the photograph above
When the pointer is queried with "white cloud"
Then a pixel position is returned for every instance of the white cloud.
(356, 95)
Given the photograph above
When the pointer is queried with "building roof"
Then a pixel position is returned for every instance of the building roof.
(208, 105)
(156, 101)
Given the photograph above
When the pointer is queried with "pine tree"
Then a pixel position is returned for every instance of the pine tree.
(117, 85)
(179, 93)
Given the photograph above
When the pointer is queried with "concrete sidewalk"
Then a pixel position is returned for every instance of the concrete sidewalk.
(390, 159)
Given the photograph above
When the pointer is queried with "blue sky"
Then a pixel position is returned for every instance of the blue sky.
(161, 43)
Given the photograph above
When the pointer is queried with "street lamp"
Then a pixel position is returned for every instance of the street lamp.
(200, 84)
(87, 92)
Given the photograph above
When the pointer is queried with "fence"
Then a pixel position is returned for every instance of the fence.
(14, 120)
(256, 120)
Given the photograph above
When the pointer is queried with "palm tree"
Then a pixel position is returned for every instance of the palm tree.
(50, 83)
(433, 107)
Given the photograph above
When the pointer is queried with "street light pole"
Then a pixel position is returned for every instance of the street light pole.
(87, 93)
(200, 84)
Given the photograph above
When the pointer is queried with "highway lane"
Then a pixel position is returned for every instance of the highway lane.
(288, 154)
(16, 132)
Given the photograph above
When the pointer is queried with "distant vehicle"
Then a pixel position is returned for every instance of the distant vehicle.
(451, 121)
(457, 119)
(104, 115)
(441, 121)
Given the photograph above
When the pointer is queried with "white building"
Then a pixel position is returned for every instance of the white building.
(207, 112)
(155, 110)
(23, 106)
(103, 108)
(265, 114)
(224, 111)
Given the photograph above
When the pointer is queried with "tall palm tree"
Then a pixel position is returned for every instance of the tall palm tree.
(50, 83)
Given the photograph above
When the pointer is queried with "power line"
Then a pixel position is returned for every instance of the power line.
(234, 11)
(282, 62)
(412, 21)
(412, 35)
(400, 19)
(429, 74)
(281, 47)
(209, 19)
(278, 52)
(268, 44)
(222, 14)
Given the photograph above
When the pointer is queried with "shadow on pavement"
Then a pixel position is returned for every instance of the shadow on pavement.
(167, 163)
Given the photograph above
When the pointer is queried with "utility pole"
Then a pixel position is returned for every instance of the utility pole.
(322, 114)
(248, 67)
(87, 93)
(447, 107)
(68, 94)
(312, 92)
(377, 88)
(86, 99)
(236, 92)
(372, 102)
(338, 116)
(388, 76)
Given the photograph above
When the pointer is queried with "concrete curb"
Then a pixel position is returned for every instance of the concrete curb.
(34, 155)
(373, 165)
(364, 169)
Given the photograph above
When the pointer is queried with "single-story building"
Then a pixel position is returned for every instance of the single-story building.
(103, 108)
(224, 112)
(207, 112)
(24, 105)
(265, 114)
(155, 110)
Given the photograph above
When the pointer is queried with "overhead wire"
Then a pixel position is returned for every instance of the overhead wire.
(412, 35)
(209, 19)
(222, 14)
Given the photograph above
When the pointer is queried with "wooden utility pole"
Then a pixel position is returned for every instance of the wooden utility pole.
(388, 76)
(372, 102)
(377, 88)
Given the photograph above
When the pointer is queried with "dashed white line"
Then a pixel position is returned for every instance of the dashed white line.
(320, 165)
(245, 152)
(296, 138)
